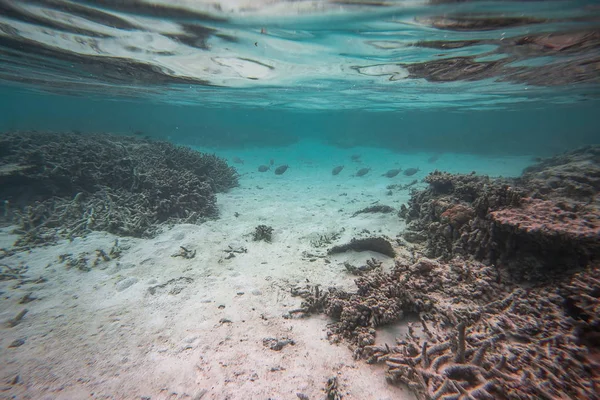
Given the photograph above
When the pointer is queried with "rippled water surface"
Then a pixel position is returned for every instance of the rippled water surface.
(372, 55)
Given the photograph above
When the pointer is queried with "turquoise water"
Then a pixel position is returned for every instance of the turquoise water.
(133, 268)
(502, 77)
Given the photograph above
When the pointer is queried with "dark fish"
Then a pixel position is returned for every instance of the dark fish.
(271, 161)
(263, 168)
(238, 160)
(281, 169)
(362, 171)
(392, 173)
(355, 157)
(411, 171)
(433, 158)
(337, 170)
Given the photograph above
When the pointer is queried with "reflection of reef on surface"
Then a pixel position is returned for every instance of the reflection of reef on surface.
(69, 184)
(575, 60)
(520, 323)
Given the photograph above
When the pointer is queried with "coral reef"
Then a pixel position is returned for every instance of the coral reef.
(519, 349)
(553, 207)
(69, 184)
(263, 232)
(505, 285)
(582, 305)
(424, 287)
(376, 244)
(510, 343)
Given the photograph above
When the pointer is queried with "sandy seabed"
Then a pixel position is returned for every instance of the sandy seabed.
(150, 325)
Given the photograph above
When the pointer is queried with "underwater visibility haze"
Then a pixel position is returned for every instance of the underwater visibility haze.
(301, 199)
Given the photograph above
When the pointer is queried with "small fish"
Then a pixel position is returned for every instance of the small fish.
(362, 172)
(263, 168)
(355, 157)
(271, 161)
(237, 160)
(392, 173)
(411, 171)
(337, 170)
(281, 169)
(433, 158)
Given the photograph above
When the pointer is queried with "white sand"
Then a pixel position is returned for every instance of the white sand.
(86, 336)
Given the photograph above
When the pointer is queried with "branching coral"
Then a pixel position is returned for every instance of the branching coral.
(543, 224)
(520, 348)
(64, 185)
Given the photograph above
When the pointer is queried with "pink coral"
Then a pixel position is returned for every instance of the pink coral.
(458, 215)
(550, 218)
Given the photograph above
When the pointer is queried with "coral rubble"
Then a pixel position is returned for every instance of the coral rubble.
(70, 184)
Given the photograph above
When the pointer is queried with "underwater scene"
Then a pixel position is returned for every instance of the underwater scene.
(300, 199)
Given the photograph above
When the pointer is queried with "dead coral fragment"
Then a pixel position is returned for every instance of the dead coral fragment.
(11, 323)
(332, 389)
(80, 262)
(370, 265)
(185, 253)
(277, 344)
(8, 273)
(315, 300)
(262, 232)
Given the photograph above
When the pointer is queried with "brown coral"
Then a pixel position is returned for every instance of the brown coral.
(549, 219)
(520, 348)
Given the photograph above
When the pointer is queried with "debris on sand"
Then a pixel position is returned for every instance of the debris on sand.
(185, 253)
(11, 323)
(332, 390)
(370, 265)
(281, 169)
(277, 344)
